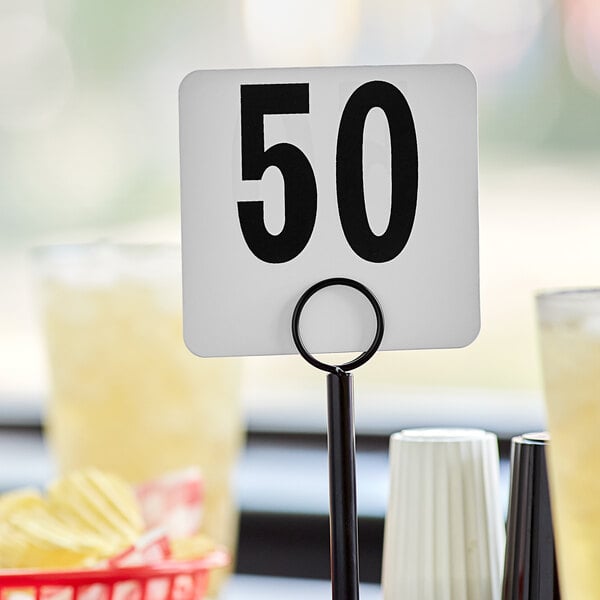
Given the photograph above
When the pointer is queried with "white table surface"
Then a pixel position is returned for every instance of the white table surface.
(252, 587)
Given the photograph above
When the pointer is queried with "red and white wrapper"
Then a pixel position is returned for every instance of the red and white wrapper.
(173, 502)
(153, 546)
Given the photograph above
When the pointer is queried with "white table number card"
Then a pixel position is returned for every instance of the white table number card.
(291, 176)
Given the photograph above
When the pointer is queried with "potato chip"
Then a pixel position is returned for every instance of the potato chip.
(98, 502)
(18, 500)
(87, 517)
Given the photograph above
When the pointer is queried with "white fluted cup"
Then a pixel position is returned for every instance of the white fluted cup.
(444, 532)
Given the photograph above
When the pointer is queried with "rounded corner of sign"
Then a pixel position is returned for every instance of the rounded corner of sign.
(466, 72)
(186, 81)
(471, 336)
(193, 348)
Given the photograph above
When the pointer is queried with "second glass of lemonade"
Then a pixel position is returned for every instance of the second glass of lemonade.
(127, 395)
(569, 326)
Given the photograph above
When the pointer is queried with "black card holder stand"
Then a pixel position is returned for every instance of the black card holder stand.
(343, 521)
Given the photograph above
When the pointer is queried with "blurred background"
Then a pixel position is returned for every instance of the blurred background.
(89, 150)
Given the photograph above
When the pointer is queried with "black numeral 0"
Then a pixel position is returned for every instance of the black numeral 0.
(349, 172)
(299, 180)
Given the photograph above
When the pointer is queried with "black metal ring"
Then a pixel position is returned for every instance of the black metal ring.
(359, 360)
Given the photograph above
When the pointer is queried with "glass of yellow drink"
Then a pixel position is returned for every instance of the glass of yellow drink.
(126, 394)
(569, 325)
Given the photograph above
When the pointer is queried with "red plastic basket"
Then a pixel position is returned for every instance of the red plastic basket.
(163, 580)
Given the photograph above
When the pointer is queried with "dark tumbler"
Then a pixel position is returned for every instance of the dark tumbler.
(530, 562)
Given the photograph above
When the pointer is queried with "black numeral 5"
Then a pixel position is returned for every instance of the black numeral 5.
(299, 180)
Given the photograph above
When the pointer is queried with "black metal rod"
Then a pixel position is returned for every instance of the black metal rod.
(343, 522)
